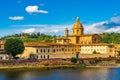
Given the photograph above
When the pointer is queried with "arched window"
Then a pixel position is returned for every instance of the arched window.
(77, 31)
(41, 50)
(37, 50)
(48, 56)
(48, 50)
(53, 50)
(44, 56)
(44, 50)
(41, 56)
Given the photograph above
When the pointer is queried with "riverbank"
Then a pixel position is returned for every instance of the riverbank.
(22, 65)
(27, 68)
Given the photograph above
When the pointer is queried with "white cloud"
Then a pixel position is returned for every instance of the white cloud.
(115, 19)
(43, 28)
(16, 17)
(112, 25)
(117, 29)
(31, 30)
(34, 9)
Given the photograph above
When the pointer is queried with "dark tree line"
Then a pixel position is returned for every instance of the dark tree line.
(110, 38)
(33, 37)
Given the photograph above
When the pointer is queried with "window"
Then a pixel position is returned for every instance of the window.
(77, 31)
(62, 49)
(48, 56)
(48, 50)
(37, 51)
(41, 56)
(44, 50)
(41, 50)
(53, 50)
(44, 56)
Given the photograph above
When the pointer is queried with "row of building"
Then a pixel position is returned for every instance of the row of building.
(77, 44)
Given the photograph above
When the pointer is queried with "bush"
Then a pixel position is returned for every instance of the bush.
(118, 61)
(95, 52)
(46, 64)
(73, 60)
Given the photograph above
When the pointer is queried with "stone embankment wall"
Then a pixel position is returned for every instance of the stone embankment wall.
(53, 63)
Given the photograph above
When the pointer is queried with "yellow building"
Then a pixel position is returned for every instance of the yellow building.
(3, 56)
(78, 36)
(77, 44)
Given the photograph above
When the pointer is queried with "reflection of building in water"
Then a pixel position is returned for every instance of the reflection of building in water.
(77, 44)
(96, 73)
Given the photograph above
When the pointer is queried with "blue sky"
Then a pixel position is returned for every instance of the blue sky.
(52, 16)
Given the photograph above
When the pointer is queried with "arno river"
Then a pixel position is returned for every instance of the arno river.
(64, 74)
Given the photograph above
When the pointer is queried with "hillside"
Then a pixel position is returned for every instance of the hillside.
(34, 37)
(110, 38)
(40, 37)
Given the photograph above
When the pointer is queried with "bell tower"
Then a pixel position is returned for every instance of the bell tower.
(77, 28)
(66, 31)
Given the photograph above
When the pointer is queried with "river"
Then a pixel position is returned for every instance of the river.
(64, 74)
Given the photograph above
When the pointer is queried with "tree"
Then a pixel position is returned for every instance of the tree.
(14, 47)
(74, 60)
(94, 52)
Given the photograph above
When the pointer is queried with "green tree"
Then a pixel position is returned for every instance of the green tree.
(94, 52)
(74, 60)
(14, 47)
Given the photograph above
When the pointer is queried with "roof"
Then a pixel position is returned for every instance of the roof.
(77, 24)
(95, 44)
(44, 44)
(35, 44)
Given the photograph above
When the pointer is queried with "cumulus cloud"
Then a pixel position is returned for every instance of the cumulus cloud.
(43, 28)
(16, 17)
(48, 29)
(34, 9)
(112, 25)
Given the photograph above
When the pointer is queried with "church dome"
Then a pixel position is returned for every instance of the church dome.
(77, 24)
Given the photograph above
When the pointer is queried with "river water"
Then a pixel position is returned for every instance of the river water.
(64, 74)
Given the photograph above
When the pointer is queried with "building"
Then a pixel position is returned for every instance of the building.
(77, 44)
(3, 56)
(77, 36)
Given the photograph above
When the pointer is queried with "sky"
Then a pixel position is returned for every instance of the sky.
(53, 16)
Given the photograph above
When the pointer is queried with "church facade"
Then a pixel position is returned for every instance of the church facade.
(77, 36)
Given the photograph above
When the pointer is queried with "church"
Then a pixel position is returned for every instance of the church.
(77, 36)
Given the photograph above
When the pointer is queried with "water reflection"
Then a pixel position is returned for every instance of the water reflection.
(64, 74)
